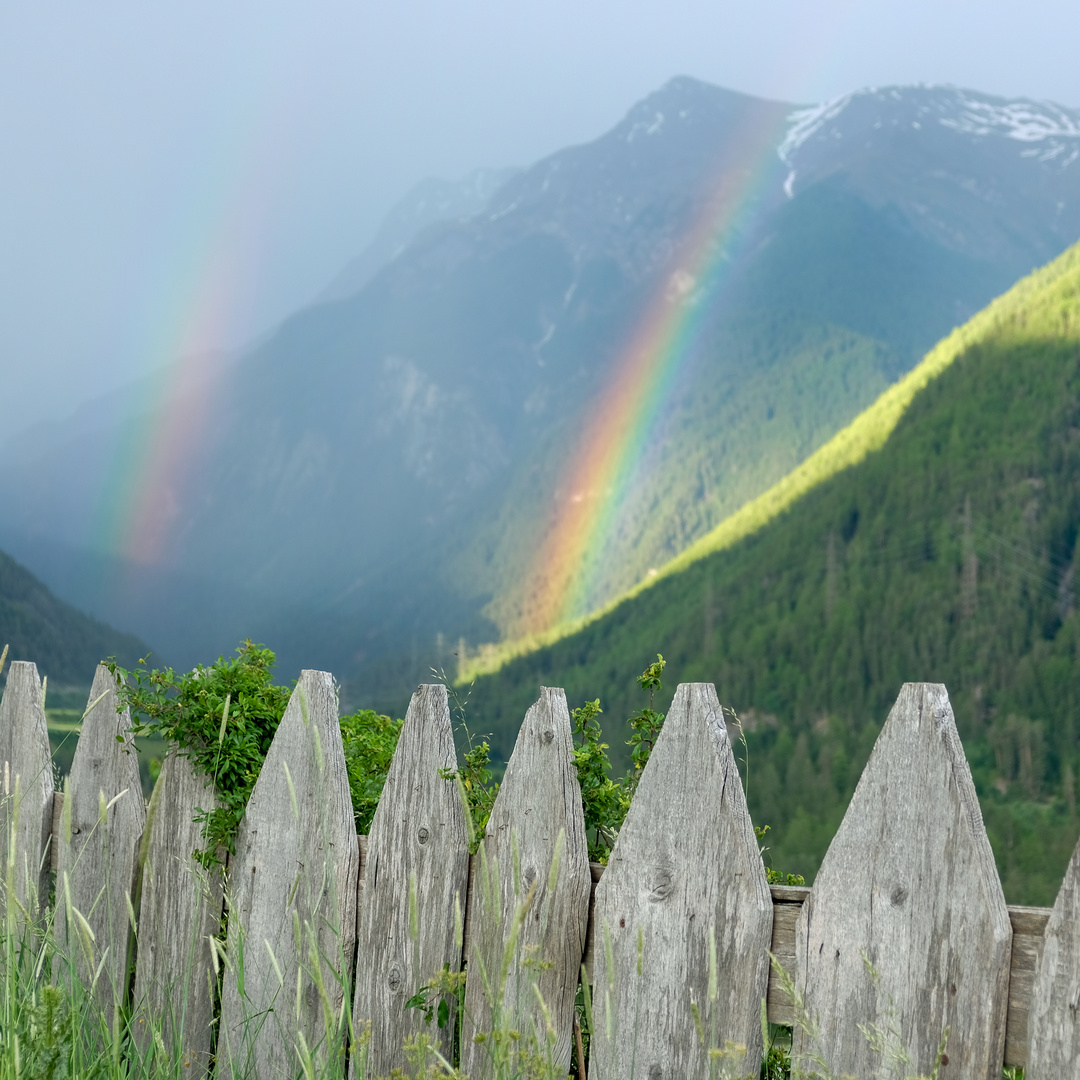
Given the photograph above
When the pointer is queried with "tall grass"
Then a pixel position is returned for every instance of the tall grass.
(62, 1016)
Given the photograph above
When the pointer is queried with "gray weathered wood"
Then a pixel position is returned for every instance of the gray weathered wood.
(684, 882)
(909, 884)
(57, 818)
(418, 843)
(180, 909)
(26, 767)
(1028, 927)
(1054, 1019)
(785, 922)
(101, 826)
(292, 893)
(539, 801)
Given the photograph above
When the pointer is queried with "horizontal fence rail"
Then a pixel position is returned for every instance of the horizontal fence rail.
(902, 949)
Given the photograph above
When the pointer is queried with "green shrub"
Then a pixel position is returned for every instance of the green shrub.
(369, 740)
(222, 717)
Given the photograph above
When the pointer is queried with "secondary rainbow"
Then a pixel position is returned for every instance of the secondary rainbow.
(209, 267)
(609, 456)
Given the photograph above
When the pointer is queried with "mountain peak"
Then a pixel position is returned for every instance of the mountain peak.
(684, 101)
(932, 107)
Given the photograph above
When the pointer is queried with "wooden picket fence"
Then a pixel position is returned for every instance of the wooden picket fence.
(904, 937)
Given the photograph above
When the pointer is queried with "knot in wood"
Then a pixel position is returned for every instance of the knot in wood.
(659, 885)
(422, 834)
(655, 1072)
(546, 736)
(898, 895)
(394, 978)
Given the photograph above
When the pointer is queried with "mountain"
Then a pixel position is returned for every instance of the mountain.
(432, 200)
(634, 338)
(935, 539)
(65, 644)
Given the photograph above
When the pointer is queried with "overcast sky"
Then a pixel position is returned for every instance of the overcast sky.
(177, 177)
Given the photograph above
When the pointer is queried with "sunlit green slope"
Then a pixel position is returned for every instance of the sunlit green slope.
(867, 433)
(933, 539)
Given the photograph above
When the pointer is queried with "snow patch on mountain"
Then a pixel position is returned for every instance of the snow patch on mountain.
(1027, 121)
(1050, 131)
(805, 123)
(647, 127)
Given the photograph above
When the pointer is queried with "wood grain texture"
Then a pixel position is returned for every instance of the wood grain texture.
(26, 769)
(1054, 1019)
(1028, 926)
(96, 861)
(419, 834)
(539, 799)
(785, 922)
(180, 909)
(57, 818)
(291, 894)
(685, 872)
(909, 884)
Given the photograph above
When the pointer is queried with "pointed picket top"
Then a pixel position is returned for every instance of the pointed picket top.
(180, 909)
(684, 883)
(292, 897)
(905, 933)
(416, 883)
(101, 827)
(1054, 1020)
(26, 772)
(535, 840)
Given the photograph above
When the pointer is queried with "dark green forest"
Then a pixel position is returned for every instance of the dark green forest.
(947, 556)
(65, 643)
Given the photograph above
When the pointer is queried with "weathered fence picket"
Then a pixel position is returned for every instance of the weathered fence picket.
(27, 784)
(1028, 928)
(1054, 1019)
(292, 896)
(179, 911)
(535, 847)
(683, 912)
(102, 824)
(904, 934)
(905, 937)
(416, 878)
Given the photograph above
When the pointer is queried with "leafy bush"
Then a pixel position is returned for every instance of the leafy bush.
(369, 739)
(222, 717)
(605, 801)
(646, 723)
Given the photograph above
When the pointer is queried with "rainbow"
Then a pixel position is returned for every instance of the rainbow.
(608, 460)
(199, 290)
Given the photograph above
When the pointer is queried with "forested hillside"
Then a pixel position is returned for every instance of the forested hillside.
(947, 555)
(65, 644)
(630, 340)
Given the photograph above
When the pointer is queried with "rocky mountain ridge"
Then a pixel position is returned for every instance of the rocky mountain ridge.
(381, 472)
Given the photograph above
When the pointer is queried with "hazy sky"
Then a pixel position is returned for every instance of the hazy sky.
(181, 176)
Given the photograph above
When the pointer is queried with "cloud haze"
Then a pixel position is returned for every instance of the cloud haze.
(178, 178)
